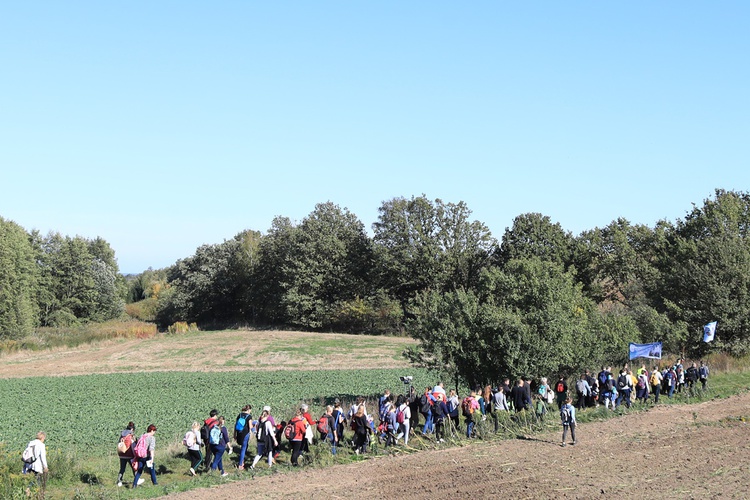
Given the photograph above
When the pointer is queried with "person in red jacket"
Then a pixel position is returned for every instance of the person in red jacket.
(299, 424)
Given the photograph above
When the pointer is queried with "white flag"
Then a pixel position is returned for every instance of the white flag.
(709, 331)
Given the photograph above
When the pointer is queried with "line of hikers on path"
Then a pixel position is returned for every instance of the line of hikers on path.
(397, 419)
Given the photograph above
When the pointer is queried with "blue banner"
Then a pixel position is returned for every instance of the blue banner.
(652, 351)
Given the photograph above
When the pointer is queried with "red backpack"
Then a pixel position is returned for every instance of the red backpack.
(560, 387)
(323, 425)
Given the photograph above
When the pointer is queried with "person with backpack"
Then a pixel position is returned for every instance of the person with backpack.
(192, 441)
(144, 455)
(670, 381)
(703, 374)
(439, 415)
(624, 387)
(243, 427)
(35, 460)
(294, 431)
(469, 406)
(327, 428)
(391, 424)
(205, 438)
(218, 440)
(545, 391)
(403, 418)
(425, 409)
(561, 391)
(266, 437)
(568, 420)
(125, 450)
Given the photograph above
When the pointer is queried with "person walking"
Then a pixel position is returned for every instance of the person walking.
(703, 374)
(561, 392)
(145, 454)
(299, 428)
(266, 437)
(361, 430)
(38, 461)
(205, 436)
(582, 390)
(656, 381)
(219, 440)
(125, 450)
(193, 442)
(405, 419)
(568, 419)
(243, 427)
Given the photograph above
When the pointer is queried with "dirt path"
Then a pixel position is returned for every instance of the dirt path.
(681, 451)
(230, 350)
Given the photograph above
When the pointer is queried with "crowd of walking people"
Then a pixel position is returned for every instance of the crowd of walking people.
(207, 443)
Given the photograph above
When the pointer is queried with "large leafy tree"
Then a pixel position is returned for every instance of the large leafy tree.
(18, 282)
(706, 270)
(424, 245)
(329, 264)
(535, 235)
(210, 287)
(529, 318)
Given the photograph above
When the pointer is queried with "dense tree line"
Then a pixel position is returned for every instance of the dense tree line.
(55, 281)
(540, 300)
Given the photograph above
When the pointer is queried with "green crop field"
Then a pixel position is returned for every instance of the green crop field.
(87, 412)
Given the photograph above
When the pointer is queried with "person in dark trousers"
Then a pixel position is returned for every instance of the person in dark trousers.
(568, 419)
(520, 398)
(561, 392)
(691, 375)
(205, 431)
(703, 374)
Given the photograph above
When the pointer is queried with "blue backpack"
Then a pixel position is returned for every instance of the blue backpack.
(241, 422)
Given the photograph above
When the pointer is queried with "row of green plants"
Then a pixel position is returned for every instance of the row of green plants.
(83, 415)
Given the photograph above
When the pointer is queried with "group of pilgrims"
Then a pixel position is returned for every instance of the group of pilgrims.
(398, 418)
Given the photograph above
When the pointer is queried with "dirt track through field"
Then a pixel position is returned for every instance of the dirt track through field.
(680, 451)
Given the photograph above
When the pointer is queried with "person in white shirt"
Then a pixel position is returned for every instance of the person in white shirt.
(39, 465)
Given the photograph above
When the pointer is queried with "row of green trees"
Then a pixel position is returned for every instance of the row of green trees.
(539, 300)
(55, 280)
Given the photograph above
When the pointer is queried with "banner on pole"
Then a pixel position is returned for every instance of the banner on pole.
(709, 331)
(652, 350)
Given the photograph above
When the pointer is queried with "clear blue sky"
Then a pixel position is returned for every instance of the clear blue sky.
(160, 126)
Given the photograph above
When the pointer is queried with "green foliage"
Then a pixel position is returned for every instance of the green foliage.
(18, 282)
(96, 407)
(534, 235)
(527, 319)
(423, 245)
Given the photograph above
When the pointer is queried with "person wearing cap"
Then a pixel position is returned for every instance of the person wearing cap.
(148, 460)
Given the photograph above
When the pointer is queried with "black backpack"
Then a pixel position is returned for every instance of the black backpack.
(437, 412)
(424, 404)
(205, 434)
(622, 382)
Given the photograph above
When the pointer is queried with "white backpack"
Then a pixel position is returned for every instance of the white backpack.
(29, 456)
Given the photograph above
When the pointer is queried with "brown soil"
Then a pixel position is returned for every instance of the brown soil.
(680, 451)
(231, 350)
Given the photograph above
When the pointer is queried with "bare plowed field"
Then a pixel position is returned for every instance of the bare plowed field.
(680, 451)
